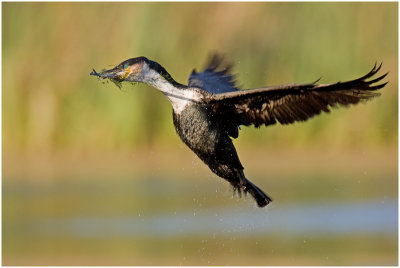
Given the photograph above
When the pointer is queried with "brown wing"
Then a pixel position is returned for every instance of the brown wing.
(295, 102)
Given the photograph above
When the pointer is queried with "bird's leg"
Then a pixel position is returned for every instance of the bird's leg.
(242, 181)
(238, 189)
(240, 185)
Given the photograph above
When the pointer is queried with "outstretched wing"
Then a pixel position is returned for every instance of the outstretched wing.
(295, 102)
(216, 77)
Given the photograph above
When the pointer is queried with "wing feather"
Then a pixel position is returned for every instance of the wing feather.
(216, 76)
(289, 103)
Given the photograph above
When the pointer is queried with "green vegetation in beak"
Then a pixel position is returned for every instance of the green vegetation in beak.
(109, 74)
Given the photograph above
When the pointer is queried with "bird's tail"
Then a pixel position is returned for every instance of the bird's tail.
(248, 187)
(261, 198)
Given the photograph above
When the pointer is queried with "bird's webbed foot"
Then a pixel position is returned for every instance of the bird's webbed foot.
(238, 189)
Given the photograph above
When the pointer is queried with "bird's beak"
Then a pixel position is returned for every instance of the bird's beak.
(105, 74)
(112, 74)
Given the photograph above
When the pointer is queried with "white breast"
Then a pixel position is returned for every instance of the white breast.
(179, 97)
(184, 98)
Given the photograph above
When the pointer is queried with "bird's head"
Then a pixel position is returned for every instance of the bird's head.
(140, 70)
(132, 70)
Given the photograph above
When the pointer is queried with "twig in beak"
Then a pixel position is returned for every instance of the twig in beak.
(95, 73)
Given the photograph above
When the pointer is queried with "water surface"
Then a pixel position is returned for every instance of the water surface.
(375, 216)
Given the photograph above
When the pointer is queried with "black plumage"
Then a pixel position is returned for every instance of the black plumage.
(208, 112)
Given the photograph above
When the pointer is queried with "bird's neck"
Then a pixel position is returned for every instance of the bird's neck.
(156, 76)
(179, 95)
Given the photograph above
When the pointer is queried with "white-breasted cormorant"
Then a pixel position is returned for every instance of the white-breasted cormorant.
(208, 112)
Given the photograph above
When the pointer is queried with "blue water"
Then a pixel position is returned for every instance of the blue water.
(347, 218)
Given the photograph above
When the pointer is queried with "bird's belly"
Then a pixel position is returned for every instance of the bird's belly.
(195, 126)
(203, 133)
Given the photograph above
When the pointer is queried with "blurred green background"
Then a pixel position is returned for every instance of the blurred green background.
(81, 155)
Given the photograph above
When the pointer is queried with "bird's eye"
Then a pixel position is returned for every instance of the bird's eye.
(125, 66)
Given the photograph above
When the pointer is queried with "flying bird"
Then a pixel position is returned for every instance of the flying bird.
(208, 112)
